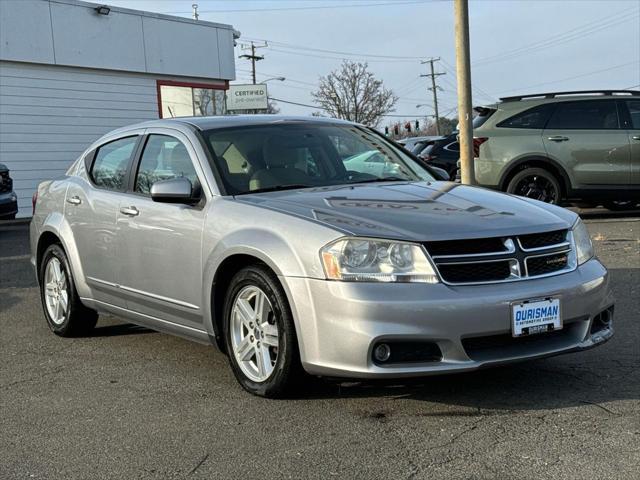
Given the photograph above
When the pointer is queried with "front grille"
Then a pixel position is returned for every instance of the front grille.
(503, 346)
(539, 240)
(547, 264)
(475, 272)
(499, 259)
(6, 184)
(466, 247)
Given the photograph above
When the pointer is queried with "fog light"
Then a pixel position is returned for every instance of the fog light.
(382, 352)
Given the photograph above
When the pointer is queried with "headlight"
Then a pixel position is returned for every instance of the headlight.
(582, 241)
(369, 260)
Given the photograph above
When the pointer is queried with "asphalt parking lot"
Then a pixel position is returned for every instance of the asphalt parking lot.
(130, 403)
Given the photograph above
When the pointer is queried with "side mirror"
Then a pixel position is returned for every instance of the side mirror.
(440, 174)
(173, 190)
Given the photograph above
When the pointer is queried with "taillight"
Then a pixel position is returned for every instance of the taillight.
(34, 200)
(477, 141)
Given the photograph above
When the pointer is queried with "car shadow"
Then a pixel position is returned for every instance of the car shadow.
(118, 330)
(535, 385)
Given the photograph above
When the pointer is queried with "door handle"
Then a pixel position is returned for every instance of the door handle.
(130, 211)
(75, 200)
(558, 138)
(636, 137)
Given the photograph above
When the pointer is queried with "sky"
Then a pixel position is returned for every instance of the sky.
(517, 47)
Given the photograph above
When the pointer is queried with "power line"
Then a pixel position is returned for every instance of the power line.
(451, 70)
(337, 52)
(586, 74)
(563, 37)
(413, 115)
(333, 57)
(315, 7)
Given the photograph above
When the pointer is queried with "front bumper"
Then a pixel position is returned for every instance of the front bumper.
(338, 323)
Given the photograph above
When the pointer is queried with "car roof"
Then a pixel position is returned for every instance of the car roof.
(225, 121)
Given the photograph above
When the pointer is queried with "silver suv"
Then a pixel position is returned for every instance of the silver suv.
(582, 146)
(251, 233)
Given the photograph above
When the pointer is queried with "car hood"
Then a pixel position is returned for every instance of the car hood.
(419, 211)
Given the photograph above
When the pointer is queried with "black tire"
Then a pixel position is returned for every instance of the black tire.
(536, 183)
(78, 319)
(8, 217)
(621, 205)
(287, 371)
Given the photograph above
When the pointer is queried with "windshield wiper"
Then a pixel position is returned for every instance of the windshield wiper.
(384, 179)
(277, 188)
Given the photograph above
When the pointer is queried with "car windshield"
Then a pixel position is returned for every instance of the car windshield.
(259, 158)
(427, 150)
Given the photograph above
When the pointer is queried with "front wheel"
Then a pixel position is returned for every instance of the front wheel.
(65, 313)
(260, 333)
(536, 183)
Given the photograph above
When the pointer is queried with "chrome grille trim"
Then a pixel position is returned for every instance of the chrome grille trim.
(518, 255)
(546, 247)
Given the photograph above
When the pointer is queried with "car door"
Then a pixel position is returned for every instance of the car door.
(91, 210)
(162, 242)
(586, 138)
(632, 124)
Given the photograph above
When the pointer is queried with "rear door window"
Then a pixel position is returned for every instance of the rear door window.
(111, 163)
(587, 114)
(634, 113)
(535, 118)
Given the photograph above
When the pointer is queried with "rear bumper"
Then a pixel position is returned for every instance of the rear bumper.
(8, 205)
(339, 323)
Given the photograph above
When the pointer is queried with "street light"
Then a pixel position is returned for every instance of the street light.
(280, 79)
(420, 105)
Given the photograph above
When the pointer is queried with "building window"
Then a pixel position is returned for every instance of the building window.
(177, 99)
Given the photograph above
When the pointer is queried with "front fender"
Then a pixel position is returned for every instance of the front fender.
(270, 248)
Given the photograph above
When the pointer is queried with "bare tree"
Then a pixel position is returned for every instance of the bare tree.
(353, 93)
(272, 107)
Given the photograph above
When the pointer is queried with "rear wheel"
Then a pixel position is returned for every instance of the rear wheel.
(260, 334)
(536, 183)
(65, 314)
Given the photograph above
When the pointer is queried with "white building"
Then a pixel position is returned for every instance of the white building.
(71, 71)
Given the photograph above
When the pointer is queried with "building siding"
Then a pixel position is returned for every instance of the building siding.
(50, 114)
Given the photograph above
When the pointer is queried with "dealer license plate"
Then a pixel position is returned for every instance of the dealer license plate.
(535, 316)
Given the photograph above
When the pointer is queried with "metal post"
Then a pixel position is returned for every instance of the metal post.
(463, 73)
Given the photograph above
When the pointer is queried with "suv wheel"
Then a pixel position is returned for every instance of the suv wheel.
(65, 314)
(536, 183)
(260, 334)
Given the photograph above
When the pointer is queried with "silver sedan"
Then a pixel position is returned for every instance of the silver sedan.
(258, 235)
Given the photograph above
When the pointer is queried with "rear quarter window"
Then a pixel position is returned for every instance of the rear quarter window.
(111, 163)
(534, 118)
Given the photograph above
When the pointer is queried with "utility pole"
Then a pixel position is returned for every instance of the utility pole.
(434, 88)
(253, 57)
(463, 73)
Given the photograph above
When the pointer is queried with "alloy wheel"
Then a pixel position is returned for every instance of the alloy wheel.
(56, 291)
(254, 333)
(537, 187)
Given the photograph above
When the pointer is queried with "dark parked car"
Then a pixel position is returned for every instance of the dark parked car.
(8, 199)
(442, 153)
